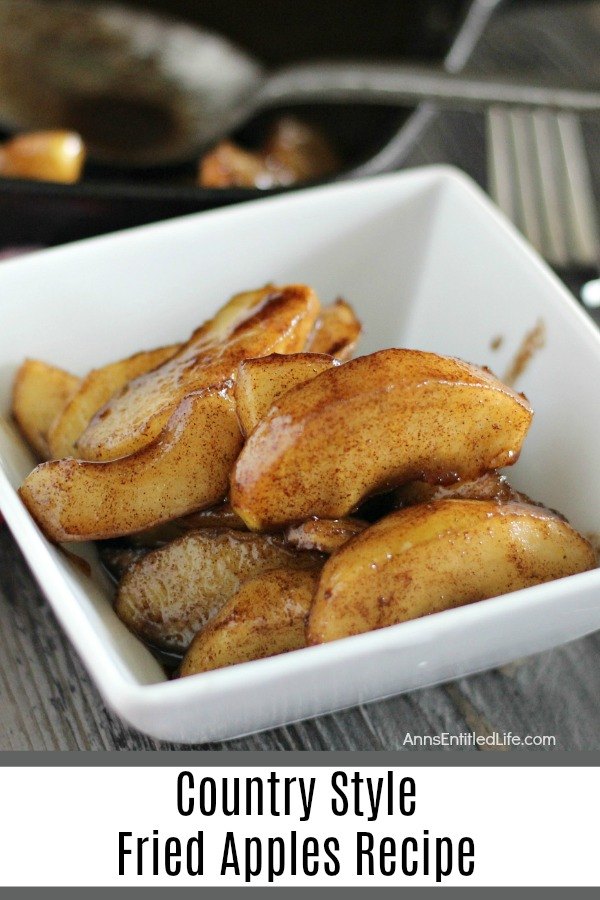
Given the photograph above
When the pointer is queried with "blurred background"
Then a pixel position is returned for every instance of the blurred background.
(274, 32)
(280, 31)
(97, 76)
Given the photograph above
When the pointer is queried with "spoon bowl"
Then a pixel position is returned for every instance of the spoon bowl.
(141, 89)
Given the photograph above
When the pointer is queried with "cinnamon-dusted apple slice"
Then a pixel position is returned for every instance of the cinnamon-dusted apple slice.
(439, 555)
(491, 486)
(221, 516)
(267, 616)
(184, 469)
(336, 331)
(40, 391)
(94, 391)
(369, 425)
(269, 320)
(324, 535)
(260, 382)
(172, 592)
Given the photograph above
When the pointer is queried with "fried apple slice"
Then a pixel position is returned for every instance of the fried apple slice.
(39, 393)
(336, 331)
(369, 425)
(221, 516)
(172, 592)
(267, 616)
(270, 320)
(229, 165)
(94, 391)
(491, 486)
(293, 151)
(43, 156)
(324, 535)
(301, 150)
(260, 382)
(437, 556)
(185, 469)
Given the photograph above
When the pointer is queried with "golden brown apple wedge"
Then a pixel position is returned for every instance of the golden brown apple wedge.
(185, 469)
(437, 556)
(267, 616)
(260, 382)
(491, 486)
(369, 425)
(270, 320)
(40, 391)
(93, 392)
(324, 535)
(221, 516)
(43, 156)
(336, 331)
(173, 591)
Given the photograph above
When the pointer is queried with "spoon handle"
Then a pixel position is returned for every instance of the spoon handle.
(376, 83)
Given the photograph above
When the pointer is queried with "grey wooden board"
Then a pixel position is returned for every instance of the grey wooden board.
(47, 701)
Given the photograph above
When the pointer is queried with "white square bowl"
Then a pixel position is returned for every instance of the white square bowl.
(427, 262)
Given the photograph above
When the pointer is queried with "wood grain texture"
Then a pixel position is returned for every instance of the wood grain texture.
(47, 701)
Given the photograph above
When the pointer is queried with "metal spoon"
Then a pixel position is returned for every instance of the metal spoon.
(144, 90)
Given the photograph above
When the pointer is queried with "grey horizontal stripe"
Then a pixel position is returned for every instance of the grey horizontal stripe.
(237, 758)
(314, 893)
